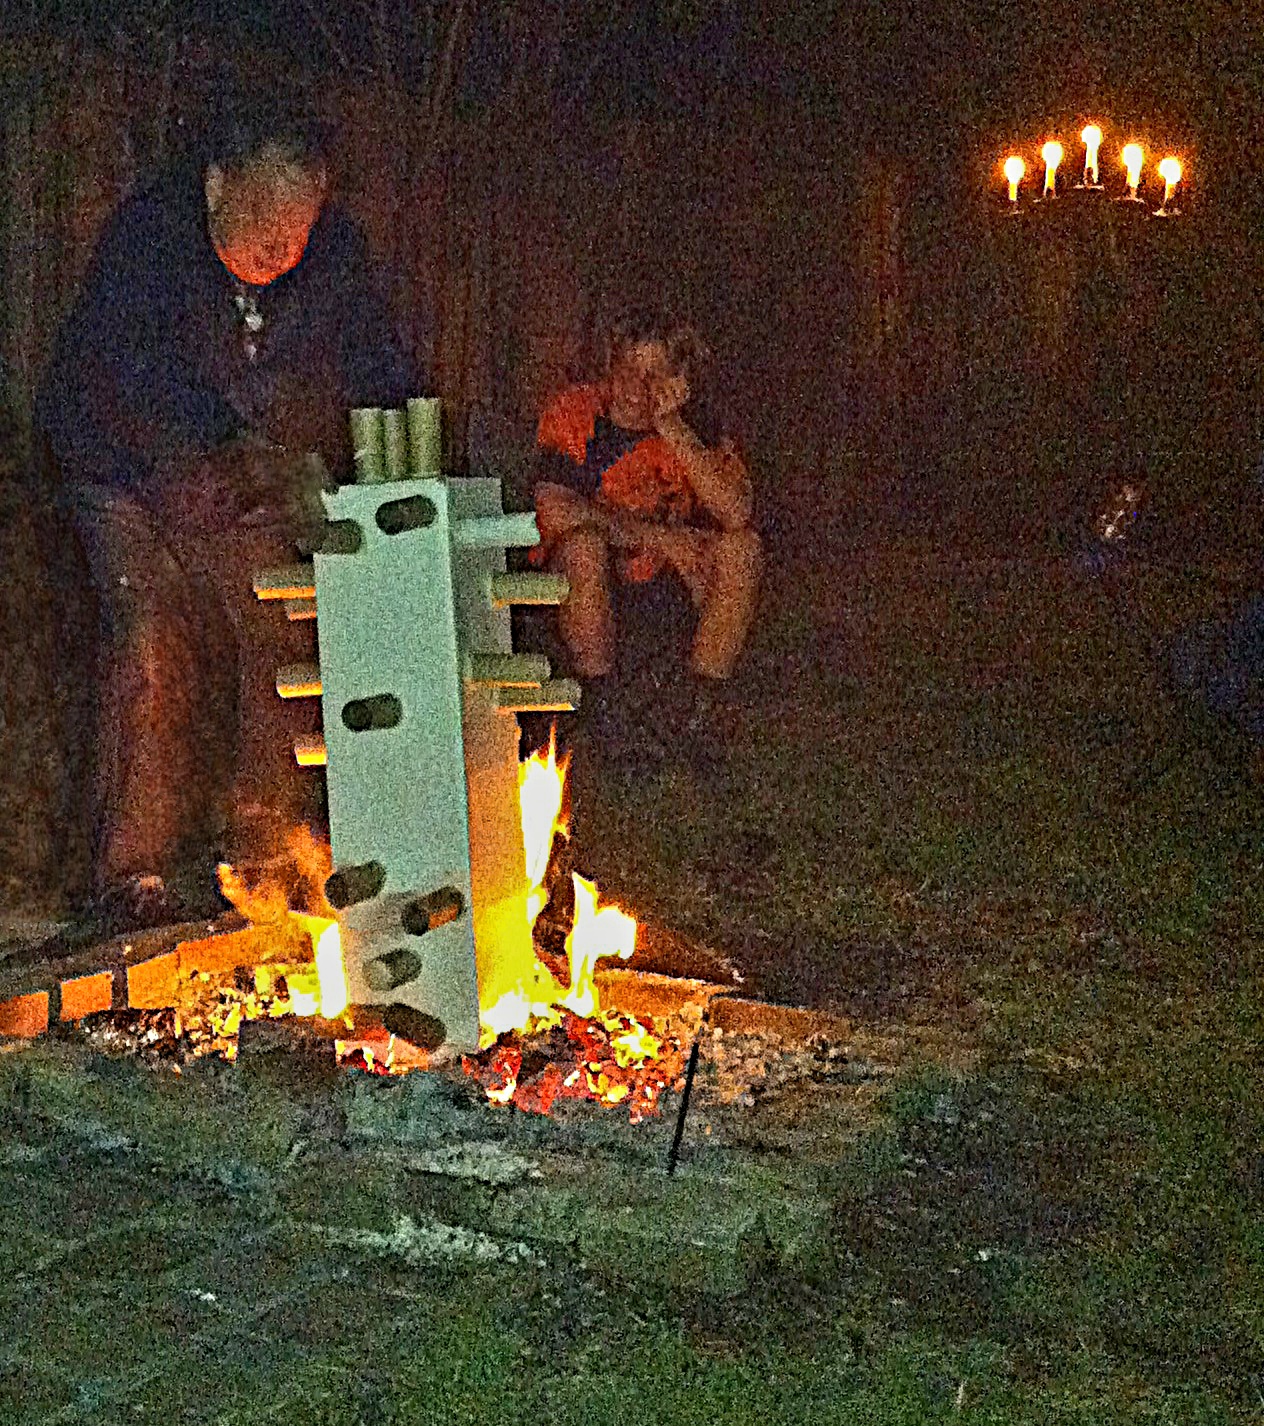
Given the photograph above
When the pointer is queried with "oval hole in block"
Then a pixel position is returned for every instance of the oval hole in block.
(348, 886)
(427, 913)
(425, 1031)
(414, 512)
(383, 710)
(392, 969)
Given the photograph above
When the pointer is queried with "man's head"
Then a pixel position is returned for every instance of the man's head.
(265, 180)
(652, 364)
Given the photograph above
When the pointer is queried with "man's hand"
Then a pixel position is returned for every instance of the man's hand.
(247, 480)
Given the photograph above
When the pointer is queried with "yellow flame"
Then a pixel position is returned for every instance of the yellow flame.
(1092, 139)
(1170, 171)
(1014, 168)
(1052, 155)
(598, 931)
(331, 971)
(1132, 157)
(541, 782)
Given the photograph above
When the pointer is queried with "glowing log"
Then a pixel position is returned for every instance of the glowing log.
(507, 670)
(310, 750)
(291, 581)
(558, 695)
(527, 587)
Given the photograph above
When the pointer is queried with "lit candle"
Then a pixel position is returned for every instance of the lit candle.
(1133, 157)
(1052, 155)
(1014, 170)
(1170, 173)
(1092, 137)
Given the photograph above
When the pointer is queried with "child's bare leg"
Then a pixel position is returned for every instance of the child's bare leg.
(586, 617)
(728, 608)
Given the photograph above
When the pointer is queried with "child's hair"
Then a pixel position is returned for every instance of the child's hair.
(686, 350)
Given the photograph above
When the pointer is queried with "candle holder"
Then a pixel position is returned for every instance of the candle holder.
(1132, 159)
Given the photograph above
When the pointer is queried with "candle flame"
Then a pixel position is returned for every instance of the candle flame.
(1133, 156)
(1052, 155)
(1092, 137)
(1013, 169)
(1170, 171)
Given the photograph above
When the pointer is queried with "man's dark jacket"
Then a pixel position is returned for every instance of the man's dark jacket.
(166, 355)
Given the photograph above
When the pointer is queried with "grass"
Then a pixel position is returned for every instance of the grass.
(940, 813)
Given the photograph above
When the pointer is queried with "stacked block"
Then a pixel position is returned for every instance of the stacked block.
(418, 684)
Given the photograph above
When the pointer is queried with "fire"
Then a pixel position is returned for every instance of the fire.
(598, 931)
(321, 987)
(541, 783)
(538, 999)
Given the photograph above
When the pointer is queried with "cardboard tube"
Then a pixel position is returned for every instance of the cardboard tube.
(507, 670)
(425, 435)
(528, 587)
(395, 444)
(291, 581)
(367, 441)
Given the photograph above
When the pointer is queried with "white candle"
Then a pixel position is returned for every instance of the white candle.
(1170, 173)
(1133, 157)
(1052, 155)
(1014, 170)
(1092, 137)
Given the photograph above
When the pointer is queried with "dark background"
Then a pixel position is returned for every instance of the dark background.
(819, 190)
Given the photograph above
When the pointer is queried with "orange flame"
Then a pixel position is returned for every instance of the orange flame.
(320, 988)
